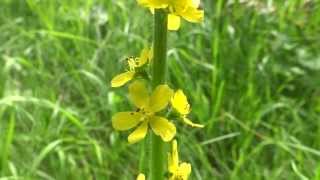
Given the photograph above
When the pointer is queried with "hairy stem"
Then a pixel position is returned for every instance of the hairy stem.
(159, 69)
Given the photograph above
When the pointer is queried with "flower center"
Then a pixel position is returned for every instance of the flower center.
(178, 177)
(132, 63)
(146, 114)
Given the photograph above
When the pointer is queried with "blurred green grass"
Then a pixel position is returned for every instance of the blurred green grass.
(251, 71)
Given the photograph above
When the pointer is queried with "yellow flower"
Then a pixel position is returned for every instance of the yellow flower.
(178, 171)
(145, 115)
(180, 103)
(187, 9)
(133, 63)
(141, 177)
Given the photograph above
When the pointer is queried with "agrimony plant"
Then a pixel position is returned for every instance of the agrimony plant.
(152, 96)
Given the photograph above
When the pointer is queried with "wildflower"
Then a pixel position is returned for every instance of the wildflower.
(180, 103)
(133, 63)
(187, 9)
(145, 116)
(141, 177)
(178, 171)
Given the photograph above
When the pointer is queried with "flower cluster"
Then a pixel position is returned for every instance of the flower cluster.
(149, 105)
(156, 109)
(178, 170)
(187, 9)
(133, 68)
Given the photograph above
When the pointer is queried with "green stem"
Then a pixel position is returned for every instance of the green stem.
(159, 69)
(142, 167)
(144, 154)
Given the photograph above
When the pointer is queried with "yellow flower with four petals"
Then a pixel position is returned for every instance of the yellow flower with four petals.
(133, 63)
(145, 115)
(180, 103)
(178, 171)
(187, 9)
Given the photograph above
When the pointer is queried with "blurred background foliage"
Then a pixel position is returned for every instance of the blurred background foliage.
(251, 71)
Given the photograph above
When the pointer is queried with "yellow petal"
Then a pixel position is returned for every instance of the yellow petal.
(143, 2)
(180, 4)
(160, 98)
(190, 123)
(126, 120)
(151, 10)
(151, 53)
(144, 57)
(138, 94)
(141, 177)
(192, 14)
(153, 3)
(121, 79)
(139, 133)
(184, 171)
(180, 103)
(173, 159)
(163, 128)
(195, 3)
(174, 22)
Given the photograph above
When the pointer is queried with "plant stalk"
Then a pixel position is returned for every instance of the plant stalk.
(159, 69)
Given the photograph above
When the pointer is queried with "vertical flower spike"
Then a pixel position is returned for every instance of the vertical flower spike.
(146, 116)
(150, 106)
(178, 171)
(133, 64)
(180, 103)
